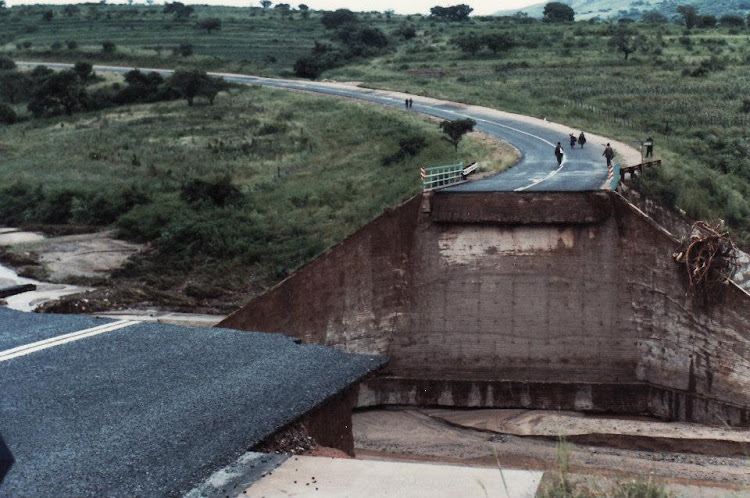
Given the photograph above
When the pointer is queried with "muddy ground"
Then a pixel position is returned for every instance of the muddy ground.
(416, 434)
(99, 263)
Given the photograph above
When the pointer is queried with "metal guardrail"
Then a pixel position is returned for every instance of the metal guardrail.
(440, 176)
(638, 168)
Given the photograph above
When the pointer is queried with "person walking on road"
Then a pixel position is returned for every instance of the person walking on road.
(406, 103)
(411, 103)
(573, 140)
(559, 154)
(582, 139)
(609, 153)
(649, 143)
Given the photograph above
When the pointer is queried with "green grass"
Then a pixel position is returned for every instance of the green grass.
(566, 73)
(305, 172)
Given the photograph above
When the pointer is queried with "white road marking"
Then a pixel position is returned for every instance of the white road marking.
(63, 339)
(354, 90)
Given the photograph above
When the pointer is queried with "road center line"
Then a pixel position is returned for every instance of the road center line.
(64, 339)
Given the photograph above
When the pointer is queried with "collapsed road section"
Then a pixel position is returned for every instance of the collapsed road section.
(500, 299)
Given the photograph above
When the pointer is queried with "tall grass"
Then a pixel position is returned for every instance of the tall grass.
(254, 185)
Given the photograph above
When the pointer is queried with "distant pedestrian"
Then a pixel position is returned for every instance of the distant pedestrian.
(573, 140)
(649, 143)
(559, 154)
(582, 139)
(411, 103)
(406, 103)
(609, 153)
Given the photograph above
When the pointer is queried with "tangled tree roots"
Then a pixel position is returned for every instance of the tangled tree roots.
(710, 259)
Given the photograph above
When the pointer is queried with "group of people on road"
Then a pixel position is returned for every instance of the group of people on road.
(409, 103)
(608, 153)
(580, 139)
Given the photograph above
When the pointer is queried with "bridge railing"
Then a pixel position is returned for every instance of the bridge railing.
(440, 176)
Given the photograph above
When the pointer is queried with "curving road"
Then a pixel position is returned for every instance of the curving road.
(581, 170)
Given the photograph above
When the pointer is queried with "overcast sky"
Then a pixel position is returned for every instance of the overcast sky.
(481, 7)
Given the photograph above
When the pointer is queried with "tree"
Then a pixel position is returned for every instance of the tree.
(59, 93)
(71, 44)
(455, 130)
(15, 86)
(707, 21)
(266, 3)
(654, 17)
(624, 41)
(179, 9)
(108, 47)
(558, 12)
(7, 114)
(498, 42)
(284, 7)
(48, 15)
(731, 21)
(191, 84)
(209, 24)
(305, 10)
(337, 18)
(184, 49)
(470, 44)
(689, 15)
(453, 13)
(6, 63)
(85, 71)
(70, 10)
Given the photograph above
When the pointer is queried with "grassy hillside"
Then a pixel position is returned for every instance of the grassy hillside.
(686, 88)
(232, 196)
(604, 9)
(689, 90)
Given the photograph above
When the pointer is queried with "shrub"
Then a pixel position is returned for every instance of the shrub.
(71, 44)
(218, 192)
(108, 47)
(7, 114)
(6, 63)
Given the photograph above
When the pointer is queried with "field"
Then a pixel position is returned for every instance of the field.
(232, 196)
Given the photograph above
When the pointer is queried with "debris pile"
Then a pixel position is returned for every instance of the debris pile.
(710, 259)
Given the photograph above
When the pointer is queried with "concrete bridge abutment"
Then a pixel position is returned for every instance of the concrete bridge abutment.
(529, 300)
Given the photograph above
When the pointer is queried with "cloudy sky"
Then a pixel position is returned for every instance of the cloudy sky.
(480, 7)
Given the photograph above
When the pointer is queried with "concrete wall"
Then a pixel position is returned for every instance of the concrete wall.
(551, 300)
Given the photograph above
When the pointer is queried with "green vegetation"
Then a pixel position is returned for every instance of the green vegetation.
(241, 192)
(628, 79)
(560, 483)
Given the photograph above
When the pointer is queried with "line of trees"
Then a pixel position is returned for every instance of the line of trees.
(53, 93)
(495, 42)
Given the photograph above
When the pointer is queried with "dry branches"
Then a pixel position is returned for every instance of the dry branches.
(710, 259)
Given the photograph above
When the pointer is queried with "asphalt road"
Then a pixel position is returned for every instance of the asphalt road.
(148, 409)
(581, 170)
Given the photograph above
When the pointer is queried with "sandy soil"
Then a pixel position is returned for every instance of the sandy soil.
(413, 434)
(89, 255)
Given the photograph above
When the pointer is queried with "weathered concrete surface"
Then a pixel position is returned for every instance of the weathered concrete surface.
(342, 478)
(480, 302)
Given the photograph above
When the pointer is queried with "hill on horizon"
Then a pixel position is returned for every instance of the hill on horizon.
(613, 9)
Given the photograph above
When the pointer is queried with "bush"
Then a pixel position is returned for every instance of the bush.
(6, 63)
(219, 192)
(108, 47)
(7, 114)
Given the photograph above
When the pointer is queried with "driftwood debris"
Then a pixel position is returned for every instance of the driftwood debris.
(710, 260)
